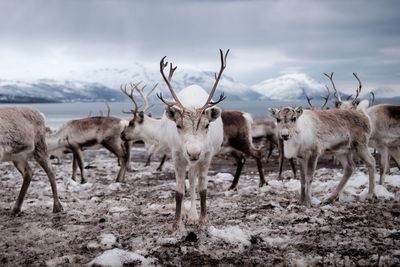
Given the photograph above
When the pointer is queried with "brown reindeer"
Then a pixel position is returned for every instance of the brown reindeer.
(310, 133)
(22, 134)
(94, 133)
(238, 140)
(267, 129)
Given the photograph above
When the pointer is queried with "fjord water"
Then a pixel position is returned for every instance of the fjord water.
(58, 113)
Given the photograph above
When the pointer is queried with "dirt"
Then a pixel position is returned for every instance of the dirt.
(139, 213)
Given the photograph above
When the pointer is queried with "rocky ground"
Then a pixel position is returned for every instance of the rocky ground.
(125, 224)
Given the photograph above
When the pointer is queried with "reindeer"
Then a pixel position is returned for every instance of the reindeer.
(348, 103)
(385, 134)
(308, 134)
(22, 134)
(192, 129)
(267, 129)
(92, 133)
(238, 141)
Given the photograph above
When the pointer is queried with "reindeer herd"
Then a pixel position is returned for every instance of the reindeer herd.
(193, 129)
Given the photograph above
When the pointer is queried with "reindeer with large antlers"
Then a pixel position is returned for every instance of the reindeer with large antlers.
(348, 103)
(192, 130)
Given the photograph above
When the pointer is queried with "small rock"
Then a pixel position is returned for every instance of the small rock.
(191, 237)
(102, 220)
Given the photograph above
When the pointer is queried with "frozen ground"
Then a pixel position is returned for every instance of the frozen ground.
(113, 224)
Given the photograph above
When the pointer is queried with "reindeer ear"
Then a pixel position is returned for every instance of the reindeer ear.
(274, 111)
(171, 112)
(140, 117)
(213, 113)
(338, 104)
(299, 111)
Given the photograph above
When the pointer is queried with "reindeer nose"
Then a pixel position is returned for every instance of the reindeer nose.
(194, 155)
(285, 137)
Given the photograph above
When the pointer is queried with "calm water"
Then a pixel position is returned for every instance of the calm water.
(56, 114)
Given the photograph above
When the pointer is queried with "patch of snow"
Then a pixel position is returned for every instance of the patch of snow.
(107, 240)
(230, 234)
(117, 258)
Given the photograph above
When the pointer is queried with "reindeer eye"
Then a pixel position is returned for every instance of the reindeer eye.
(178, 126)
(293, 119)
(278, 120)
(131, 123)
(208, 125)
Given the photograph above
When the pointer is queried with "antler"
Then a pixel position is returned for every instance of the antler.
(163, 65)
(336, 93)
(209, 103)
(358, 90)
(145, 97)
(326, 97)
(371, 98)
(131, 97)
(309, 101)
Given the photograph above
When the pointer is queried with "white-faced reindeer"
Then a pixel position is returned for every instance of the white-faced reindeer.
(92, 133)
(237, 141)
(192, 129)
(22, 134)
(267, 129)
(308, 134)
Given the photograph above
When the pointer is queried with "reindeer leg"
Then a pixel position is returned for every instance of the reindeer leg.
(40, 156)
(348, 166)
(384, 163)
(118, 149)
(74, 166)
(26, 172)
(203, 170)
(148, 161)
(271, 148)
(281, 157)
(309, 175)
(78, 156)
(303, 170)
(193, 217)
(180, 173)
(159, 168)
(293, 166)
(240, 161)
(127, 153)
(256, 154)
(369, 160)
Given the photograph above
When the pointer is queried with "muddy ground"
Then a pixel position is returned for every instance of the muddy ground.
(250, 226)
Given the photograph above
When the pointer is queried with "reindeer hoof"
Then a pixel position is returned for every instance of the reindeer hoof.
(57, 207)
(328, 201)
(371, 197)
(176, 228)
(262, 183)
(203, 224)
(192, 219)
(15, 211)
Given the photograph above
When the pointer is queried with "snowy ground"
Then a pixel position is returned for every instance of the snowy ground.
(113, 224)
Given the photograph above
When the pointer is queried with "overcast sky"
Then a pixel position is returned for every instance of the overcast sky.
(267, 38)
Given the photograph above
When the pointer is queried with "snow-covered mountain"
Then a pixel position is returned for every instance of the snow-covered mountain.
(103, 84)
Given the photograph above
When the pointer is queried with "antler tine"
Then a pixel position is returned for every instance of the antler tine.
(141, 93)
(358, 90)
(217, 78)
(108, 109)
(371, 98)
(163, 65)
(168, 103)
(132, 98)
(336, 93)
(152, 90)
(326, 97)
(350, 96)
(309, 101)
(213, 103)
